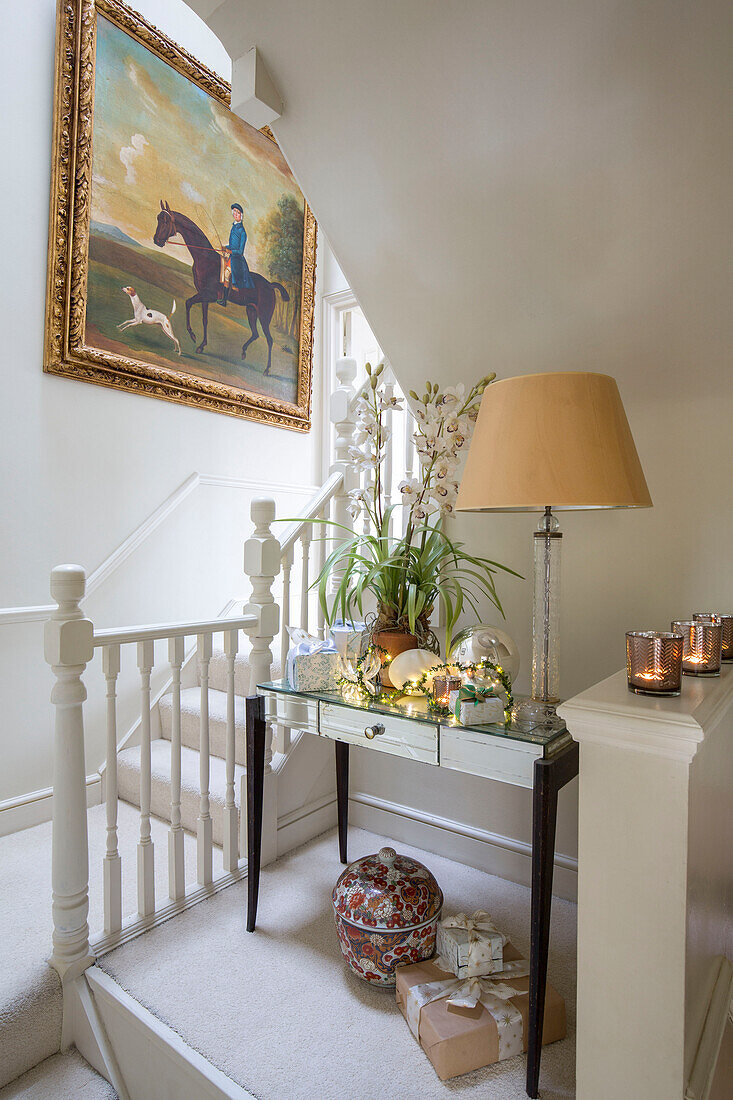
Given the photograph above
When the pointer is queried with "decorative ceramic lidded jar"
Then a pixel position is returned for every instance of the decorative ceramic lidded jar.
(387, 909)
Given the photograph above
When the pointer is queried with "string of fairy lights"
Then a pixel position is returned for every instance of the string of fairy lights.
(369, 689)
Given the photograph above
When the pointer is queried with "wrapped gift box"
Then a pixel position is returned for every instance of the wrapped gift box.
(484, 712)
(477, 704)
(458, 1040)
(312, 664)
(471, 946)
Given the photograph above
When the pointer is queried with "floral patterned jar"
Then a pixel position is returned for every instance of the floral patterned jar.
(387, 909)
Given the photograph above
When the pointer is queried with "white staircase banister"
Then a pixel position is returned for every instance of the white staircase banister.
(328, 490)
(122, 635)
(68, 649)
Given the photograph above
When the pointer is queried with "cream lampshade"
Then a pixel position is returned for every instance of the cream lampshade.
(547, 442)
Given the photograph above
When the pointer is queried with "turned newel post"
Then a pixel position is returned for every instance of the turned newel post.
(68, 646)
(343, 418)
(262, 565)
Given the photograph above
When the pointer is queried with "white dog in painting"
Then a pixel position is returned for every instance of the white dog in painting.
(144, 316)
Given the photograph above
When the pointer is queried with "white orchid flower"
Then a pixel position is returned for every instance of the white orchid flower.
(410, 489)
(389, 402)
(420, 512)
(444, 467)
(447, 508)
(454, 395)
(440, 491)
(354, 510)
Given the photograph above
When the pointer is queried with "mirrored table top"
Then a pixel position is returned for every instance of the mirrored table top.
(414, 707)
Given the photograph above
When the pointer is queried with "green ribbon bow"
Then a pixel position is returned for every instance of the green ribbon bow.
(470, 693)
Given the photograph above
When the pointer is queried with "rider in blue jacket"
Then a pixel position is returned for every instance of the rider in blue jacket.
(241, 277)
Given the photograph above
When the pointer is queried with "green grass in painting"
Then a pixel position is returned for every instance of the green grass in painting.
(158, 281)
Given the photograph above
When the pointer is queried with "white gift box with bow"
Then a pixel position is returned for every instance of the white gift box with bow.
(312, 664)
(471, 946)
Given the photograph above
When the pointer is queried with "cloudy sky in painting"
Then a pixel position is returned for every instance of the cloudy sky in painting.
(157, 136)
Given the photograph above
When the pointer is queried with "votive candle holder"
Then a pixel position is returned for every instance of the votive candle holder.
(726, 621)
(443, 685)
(654, 662)
(701, 647)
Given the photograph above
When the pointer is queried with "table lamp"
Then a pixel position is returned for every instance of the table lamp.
(544, 443)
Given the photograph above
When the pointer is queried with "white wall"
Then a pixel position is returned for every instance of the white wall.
(84, 466)
(533, 187)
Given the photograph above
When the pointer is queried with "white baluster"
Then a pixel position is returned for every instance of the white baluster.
(409, 456)
(262, 564)
(204, 834)
(387, 464)
(68, 646)
(231, 849)
(176, 851)
(112, 864)
(262, 556)
(145, 848)
(305, 543)
(320, 560)
(287, 565)
(343, 417)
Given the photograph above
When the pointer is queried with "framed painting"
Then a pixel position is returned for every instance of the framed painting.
(181, 249)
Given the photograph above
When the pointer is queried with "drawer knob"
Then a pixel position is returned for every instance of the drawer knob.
(373, 731)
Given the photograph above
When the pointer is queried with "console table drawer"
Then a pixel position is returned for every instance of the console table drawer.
(466, 750)
(398, 736)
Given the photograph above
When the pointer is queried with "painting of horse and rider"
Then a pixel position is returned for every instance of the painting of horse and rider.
(198, 280)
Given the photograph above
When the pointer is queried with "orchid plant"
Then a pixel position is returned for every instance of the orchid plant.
(408, 576)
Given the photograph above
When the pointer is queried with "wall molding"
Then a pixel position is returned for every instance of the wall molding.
(711, 1036)
(491, 852)
(35, 807)
(39, 612)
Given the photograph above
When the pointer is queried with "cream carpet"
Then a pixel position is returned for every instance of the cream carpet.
(30, 992)
(279, 1012)
(62, 1077)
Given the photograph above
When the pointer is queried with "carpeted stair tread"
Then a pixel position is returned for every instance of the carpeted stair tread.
(60, 1077)
(191, 722)
(30, 1015)
(128, 779)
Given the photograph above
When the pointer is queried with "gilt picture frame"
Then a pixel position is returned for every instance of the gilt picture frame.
(181, 249)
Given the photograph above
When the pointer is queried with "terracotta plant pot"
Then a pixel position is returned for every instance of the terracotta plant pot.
(394, 641)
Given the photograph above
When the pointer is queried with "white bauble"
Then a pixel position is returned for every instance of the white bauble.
(411, 664)
(483, 640)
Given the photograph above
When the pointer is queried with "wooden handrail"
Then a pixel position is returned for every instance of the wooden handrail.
(120, 636)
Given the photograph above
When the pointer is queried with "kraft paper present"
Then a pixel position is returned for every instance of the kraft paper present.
(458, 1040)
(471, 945)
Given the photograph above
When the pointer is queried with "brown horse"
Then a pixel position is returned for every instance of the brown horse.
(259, 301)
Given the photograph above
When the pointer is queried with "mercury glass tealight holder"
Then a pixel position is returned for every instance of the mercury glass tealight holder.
(726, 621)
(443, 685)
(654, 662)
(701, 647)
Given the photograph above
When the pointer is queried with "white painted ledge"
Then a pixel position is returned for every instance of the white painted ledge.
(609, 714)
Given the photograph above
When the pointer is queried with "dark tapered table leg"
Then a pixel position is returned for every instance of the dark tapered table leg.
(550, 775)
(342, 795)
(255, 733)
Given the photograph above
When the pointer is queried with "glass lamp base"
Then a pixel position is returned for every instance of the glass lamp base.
(528, 714)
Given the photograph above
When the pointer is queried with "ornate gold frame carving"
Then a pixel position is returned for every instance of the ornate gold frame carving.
(66, 351)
